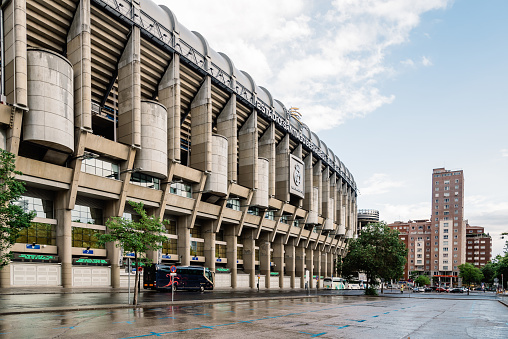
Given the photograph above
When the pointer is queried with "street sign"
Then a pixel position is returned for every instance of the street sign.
(172, 274)
(173, 269)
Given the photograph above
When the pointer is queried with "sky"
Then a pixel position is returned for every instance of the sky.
(395, 88)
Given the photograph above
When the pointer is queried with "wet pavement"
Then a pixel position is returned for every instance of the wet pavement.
(332, 316)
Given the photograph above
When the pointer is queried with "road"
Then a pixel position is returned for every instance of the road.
(323, 317)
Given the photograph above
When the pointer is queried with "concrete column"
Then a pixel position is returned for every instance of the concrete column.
(300, 264)
(333, 195)
(264, 256)
(325, 192)
(201, 125)
(289, 259)
(249, 255)
(209, 246)
(317, 182)
(169, 96)
(317, 266)
(267, 150)
(15, 52)
(79, 53)
(183, 244)
(64, 237)
(227, 126)
(309, 263)
(278, 258)
(331, 262)
(129, 92)
(248, 152)
(282, 170)
(324, 264)
(308, 202)
(113, 252)
(231, 252)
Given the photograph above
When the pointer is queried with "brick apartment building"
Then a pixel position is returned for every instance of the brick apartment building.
(478, 246)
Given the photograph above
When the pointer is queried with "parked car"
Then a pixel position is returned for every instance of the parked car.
(415, 289)
(464, 289)
(428, 289)
(421, 289)
(440, 289)
(456, 290)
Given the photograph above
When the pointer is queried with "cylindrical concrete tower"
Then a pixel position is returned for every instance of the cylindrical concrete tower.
(50, 119)
(153, 156)
(260, 197)
(217, 181)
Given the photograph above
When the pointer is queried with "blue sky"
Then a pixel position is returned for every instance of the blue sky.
(395, 88)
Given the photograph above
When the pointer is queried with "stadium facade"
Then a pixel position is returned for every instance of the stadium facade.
(110, 101)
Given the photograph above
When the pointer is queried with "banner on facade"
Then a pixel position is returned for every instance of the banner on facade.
(296, 176)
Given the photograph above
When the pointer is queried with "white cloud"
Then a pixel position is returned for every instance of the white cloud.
(323, 57)
(504, 152)
(426, 62)
(379, 183)
(404, 212)
(408, 62)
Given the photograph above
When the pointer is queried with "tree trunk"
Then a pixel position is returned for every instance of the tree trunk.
(135, 301)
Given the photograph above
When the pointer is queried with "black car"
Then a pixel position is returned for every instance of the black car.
(428, 289)
(456, 290)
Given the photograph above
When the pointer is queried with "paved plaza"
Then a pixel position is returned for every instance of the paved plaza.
(332, 316)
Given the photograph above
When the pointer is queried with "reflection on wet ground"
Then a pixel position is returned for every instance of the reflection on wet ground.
(325, 317)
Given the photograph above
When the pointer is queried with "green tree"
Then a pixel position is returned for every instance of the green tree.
(136, 237)
(470, 274)
(378, 252)
(422, 280)
(502, 269)
(489, 273)
(13, 218)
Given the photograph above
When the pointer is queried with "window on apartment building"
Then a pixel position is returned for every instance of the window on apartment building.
(456, 187)
(470, 242)
(437, 219)
(412, 256)
(43, 234)
(86, 237)
(445, 236)
(427, 250)
(445, 218)
(456, 230)
(455, 224)
(436, 249)
(437, 201)
(446, 213)
(446, 194)
(437, 188)
(455, 248)
(437, 182)
(445, 230)
(445, 268)
(445, 255)
(456, 193)
(435, 267)
(447, 200)
(445, 249)
(456, 199)
(87, 215)
(456, 181)
(456, 212)
(455, 218)
(447, 188)
(456, 206)
(436, 243)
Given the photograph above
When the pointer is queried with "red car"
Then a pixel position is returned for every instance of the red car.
(440, 289)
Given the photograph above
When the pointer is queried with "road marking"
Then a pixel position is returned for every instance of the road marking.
(339, 327)
(167, 318)
(312, 335)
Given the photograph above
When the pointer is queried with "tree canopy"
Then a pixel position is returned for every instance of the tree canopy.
(470, 274)
(13, 218)
(422, 280)
(378, 252)
(136, 237)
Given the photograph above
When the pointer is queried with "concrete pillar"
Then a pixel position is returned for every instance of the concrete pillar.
(231, 252)
(308, 202)
(282, 170)
(113, 252)
(300, 264)
(248, 152)
(249, 255)
(309, 263)
(79, 53)
(333, 196)
(264, 256)
(227, 126)
(317, 181)
(325, 192)
(64, 237)
(5, 276)
(324, 264)
(317, 267)
(183, 244)
(15, 52)
(209, 246)
(267, 150)
(278, 258)
(201, 126)
(331, 263)
(289, 259)
(129, 91)
(169, 96)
